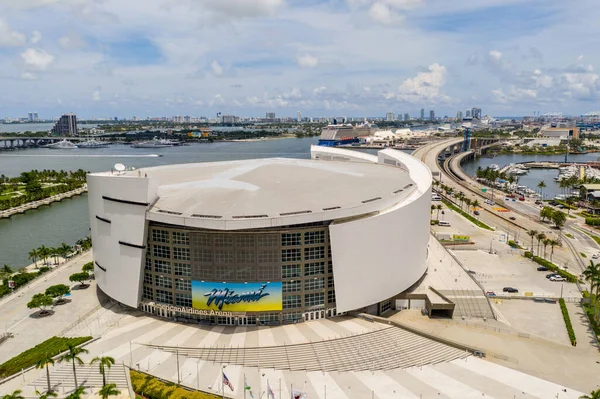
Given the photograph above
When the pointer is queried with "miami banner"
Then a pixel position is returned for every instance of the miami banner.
(236, 297)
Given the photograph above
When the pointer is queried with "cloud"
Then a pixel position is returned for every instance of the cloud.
(216, 68)
(381, 13)
(37, 59)
(9, 37)
(425, 87)
(71, 42)
(96, 95)
(495, 55)
(36, 36)
(242, 9)
(29, 76)
(385, 12)
(307, 61)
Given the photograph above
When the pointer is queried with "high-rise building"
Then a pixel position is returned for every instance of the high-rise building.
(422, 114)
(66, 126)
(271, 115)
(431, 115)
(35, 117)
(468, 113)
(30, 117)
(476, 113)
(406, 117)
(299, 117)
(459, 116)
(229, 119)
(390, 117)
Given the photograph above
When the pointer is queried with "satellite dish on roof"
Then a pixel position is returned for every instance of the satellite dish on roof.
(119, 167)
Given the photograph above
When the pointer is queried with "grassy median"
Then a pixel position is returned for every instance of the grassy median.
(466, 215)
(30, 357)
(149, 387)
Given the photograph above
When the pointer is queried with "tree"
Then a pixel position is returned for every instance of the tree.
(553, 243)
(55, 253)
(65, 249)
(72, 356)
(47, 395)
(44, 362)
(593, 395)
(58, 291)
(104, 362)
(109, 390)
(559, 218)
(15, 395)
(592, 275)
(532, 233)
(541, 185)
(79, 277)
(438, 208)
(569, 202)
(7, 269)
(540, 237)
(546, 213)
(89, 267)
(40, 301)
(33, 255)
(545, 243)
(77, 393)
(43, 252)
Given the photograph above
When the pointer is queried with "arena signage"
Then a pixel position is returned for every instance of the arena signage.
(236, 297)
(185, 309)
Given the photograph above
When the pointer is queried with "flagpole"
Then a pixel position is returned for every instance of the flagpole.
(280, 389)
(245, 386)
(291, 391)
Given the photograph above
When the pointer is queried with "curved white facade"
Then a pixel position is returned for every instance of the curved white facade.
(372, 213)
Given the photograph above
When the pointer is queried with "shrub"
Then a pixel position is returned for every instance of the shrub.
(565, 313)
(53, 346)
(512, 244)
(592, 221)
(153, 388)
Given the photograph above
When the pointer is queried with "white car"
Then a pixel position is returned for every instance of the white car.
(557, 278)
(595, 256)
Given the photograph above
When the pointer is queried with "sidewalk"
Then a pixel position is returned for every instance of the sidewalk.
(583, 331)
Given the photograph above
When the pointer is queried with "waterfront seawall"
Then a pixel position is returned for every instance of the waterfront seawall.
(46, 201)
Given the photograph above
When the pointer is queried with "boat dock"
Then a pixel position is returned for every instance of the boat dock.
(46, 201)
(556, 165)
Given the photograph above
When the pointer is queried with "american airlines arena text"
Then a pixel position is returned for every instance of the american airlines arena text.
(264, 241)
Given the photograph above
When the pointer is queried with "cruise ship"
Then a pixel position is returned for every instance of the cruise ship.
(155, 143)
(91, 143)
(61, 145)
(346, 133)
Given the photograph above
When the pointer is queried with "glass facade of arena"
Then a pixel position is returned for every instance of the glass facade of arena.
(296, 260)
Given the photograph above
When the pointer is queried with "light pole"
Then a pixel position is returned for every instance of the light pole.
(198, 373)
(178, 373)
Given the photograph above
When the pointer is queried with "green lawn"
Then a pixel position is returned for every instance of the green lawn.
(583, 255)
(153, 388)
(30, 357)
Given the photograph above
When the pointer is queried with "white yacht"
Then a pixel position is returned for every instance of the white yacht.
(91, 143)
(61, 145)
(155, 143)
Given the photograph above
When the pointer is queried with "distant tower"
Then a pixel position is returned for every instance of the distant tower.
(66, 126)
(299, 117)
(431, 115)
(422, 114)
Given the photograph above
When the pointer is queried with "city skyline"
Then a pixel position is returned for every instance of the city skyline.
(321, 57)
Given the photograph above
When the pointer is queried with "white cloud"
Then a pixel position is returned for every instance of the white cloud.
(307, 61)
(216, 68)
(495, 55)
(381, 13)
(37, 59)
(319, 90)
(242, 9)
(71, 42)
(513, 95)
(36, 36)
(29, 76)
(9, 37)
(96, 95)
(385, 12)
(426, 86)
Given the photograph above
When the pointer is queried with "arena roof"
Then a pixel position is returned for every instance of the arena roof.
(274, 188)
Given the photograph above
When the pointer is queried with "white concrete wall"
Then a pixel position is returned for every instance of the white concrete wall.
(381, 256)
(124, 265)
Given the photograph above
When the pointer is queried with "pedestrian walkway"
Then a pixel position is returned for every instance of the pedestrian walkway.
(583, 331)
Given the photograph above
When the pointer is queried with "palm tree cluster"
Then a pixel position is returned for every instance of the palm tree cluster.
(36, 185)
(73, 356)
(43, 253)
(542, 240)
(592, 275)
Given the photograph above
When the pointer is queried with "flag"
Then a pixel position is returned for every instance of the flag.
(270, 392)
(226, 381)
(298, 394)
(248, 388)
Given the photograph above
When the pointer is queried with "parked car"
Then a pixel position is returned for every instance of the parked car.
(510, 289)
(552, 275)
(491, 294)
(512, 218)
(538, 202)
(542, 269)
(595, 256)
(557, 278)
(536, 299)
(553, 203)
(521, 198)
(476, 213)
(549, 300)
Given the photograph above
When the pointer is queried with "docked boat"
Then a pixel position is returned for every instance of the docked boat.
(61, 145)
(155, 143)
(346, 133)
(91, 143)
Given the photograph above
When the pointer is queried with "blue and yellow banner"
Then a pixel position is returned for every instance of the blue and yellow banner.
(236, 297)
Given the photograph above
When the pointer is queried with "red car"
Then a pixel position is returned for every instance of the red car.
(521, 198)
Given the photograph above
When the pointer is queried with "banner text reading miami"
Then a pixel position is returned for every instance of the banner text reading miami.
(236, 297)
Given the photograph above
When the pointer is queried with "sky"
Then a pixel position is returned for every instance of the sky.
(106, 58)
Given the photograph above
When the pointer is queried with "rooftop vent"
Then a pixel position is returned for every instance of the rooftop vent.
(332, 208)
(195, 215)
(398, 191)
(294, 213)
(169, 212)
(371, 200)
(250, 216)
(408, 185)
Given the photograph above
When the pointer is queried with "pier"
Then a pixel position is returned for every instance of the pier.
(19, 142)
(46, 201)
(556, 165)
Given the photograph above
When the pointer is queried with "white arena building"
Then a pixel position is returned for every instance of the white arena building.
(263, 241)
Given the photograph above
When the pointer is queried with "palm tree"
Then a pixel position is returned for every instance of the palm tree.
(438, 208)
(65, 249)
(540, 237)
(593, 395)
(109, 390)
(532, 233)
(15, 395)
(545, 243)
(7, 269)
(569, 202)
(468, 204)
(592, 275)
(104, 362)
(47, 395)
(553, 243)
(54, 252)
(77, 393)
(541, 185)
(33, 255)
(43, 252)
(72, 356)
(44, 362)
(475, 204)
